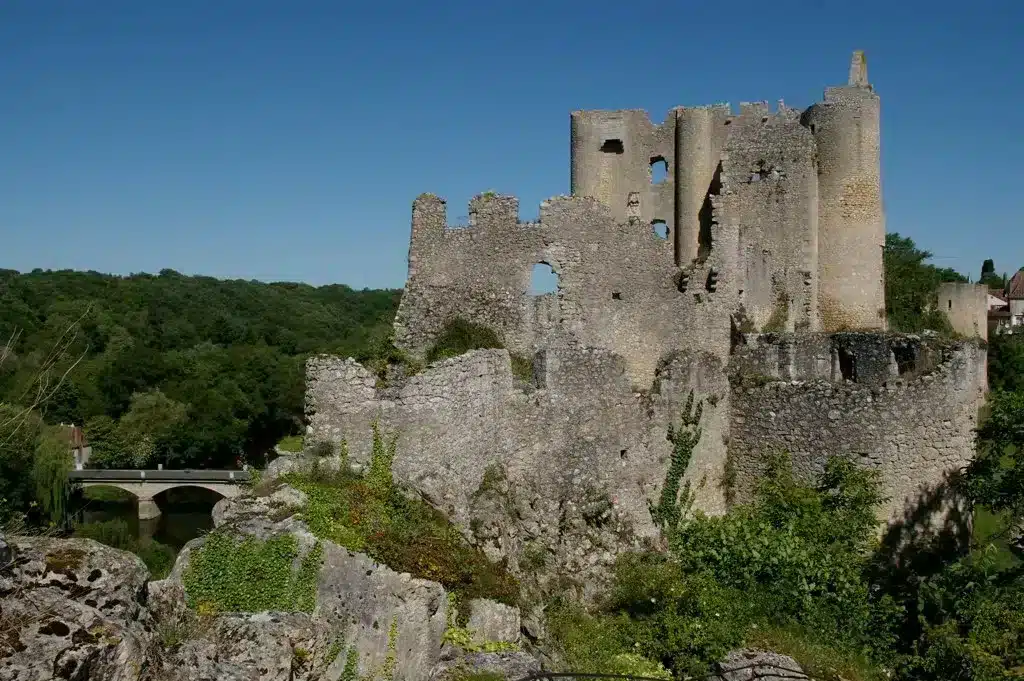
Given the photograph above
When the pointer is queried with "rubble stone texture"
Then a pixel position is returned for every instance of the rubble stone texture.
(72, 609)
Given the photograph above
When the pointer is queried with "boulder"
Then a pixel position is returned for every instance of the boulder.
(759, 665)
(493, 621)
(72, 609)
(392, 620)
(511, 666)
(240, 647)
(382, 613)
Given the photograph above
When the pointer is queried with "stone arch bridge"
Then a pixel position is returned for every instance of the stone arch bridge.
(146, 484)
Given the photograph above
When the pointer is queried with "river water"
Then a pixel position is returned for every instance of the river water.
(185, 515)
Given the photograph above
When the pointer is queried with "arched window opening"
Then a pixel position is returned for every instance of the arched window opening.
(659, 170)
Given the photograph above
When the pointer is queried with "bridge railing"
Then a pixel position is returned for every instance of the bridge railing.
(164, 475)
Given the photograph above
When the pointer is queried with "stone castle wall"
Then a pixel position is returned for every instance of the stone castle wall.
(904, 406)
(579, 451)
(966, 307)
(618, 286)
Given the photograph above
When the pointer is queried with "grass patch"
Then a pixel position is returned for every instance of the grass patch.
(228, 574)
(292, 443)
(367, 513)
(522, 367)
(818, 660)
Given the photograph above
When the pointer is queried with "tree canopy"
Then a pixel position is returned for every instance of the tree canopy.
(181, 370)
(911, 286)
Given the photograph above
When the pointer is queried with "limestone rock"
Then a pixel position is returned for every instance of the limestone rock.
(388, 617)
(240, 647)
(492, 621)
(510, 666)
(762, 665)
(367, 601)
(263, 510)
(72, 609)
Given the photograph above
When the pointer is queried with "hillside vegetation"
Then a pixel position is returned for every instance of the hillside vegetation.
(185, 371)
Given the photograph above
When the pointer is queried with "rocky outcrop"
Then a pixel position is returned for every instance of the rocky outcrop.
(511, 666)
(758, 665)
(240, 647)
(72, 609)
(392, 621)
(75, 609)
(491, 621)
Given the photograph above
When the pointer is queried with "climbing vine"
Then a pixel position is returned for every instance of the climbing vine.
(676, 496)
(249, 575)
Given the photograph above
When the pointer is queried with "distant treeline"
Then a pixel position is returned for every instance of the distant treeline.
(174, 369)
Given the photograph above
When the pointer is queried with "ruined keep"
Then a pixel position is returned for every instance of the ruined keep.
(764, 297)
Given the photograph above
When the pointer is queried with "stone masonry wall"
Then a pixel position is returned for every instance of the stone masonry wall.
(903, 405)
(618, 285)
(564, 467)
(966, 306)
(769, 169)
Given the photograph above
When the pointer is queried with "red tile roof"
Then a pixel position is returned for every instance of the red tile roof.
(1015, 289)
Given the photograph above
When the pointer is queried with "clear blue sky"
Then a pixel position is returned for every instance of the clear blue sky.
(286, 140)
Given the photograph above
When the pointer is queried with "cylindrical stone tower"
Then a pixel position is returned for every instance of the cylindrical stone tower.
(851, 224)
(700, 135)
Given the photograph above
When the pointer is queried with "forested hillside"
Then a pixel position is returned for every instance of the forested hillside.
(173, 369)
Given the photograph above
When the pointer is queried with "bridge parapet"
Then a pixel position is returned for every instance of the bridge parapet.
(146, 484)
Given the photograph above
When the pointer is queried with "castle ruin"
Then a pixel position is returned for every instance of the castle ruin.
(752, 276)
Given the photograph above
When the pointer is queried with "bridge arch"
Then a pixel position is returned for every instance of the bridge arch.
(145, 492)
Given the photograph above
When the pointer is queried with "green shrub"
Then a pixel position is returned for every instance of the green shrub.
(460, 336)
(370, 514)
(229, 574)
(799, 551)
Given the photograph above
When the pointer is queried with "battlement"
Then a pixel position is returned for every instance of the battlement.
(491, 212)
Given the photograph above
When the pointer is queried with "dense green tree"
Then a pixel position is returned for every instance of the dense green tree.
(1006, 362)
(989, 276)
(221, 360)
(911, 286)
